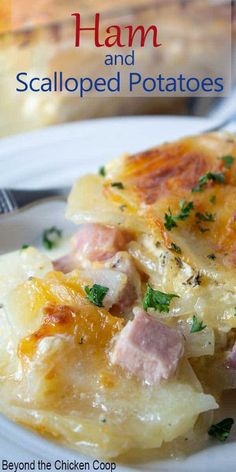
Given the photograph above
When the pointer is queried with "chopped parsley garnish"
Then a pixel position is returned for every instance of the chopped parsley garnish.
(103, 420)
(176, 248)
(235, 311)
(212, 257)
(217, 177)
(102, 171)
(212, 199)
(96, 294)
(197, 325)
(118, 185)
(51, 237)
(222, 429)
(170, 219)
(158, 300)
(24, 246)
(122, 207)
(228, 161)
(185, 210)
(206, 216)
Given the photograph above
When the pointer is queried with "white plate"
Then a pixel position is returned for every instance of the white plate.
(56, 156)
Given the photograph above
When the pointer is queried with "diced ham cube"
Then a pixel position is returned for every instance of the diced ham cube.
(92, 242)
(231, 362)
(148, 348)
(98, 242)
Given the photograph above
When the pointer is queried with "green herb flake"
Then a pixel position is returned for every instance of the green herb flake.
(158, 300)
(185, 208)
(102, 171)
(103, 420)
(212, 199)
(197, 325)
(209, 217)
(118, 185)
(211, 256)
(51, 237)
(176, 248)
(228, 161)
(24, 246)
(222, 429)
(96, 294)
(235, 311)
(217, 177)
(122, 207)
(170, 219)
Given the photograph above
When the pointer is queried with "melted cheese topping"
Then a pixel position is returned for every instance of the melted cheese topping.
(56, 375)
(156, 181)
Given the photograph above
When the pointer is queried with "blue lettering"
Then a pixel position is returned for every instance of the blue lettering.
(31, 84)
(18, 78)
(220, 84)
(135, 79)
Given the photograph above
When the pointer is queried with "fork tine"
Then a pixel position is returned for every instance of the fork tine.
(14, 199)
(7, 202)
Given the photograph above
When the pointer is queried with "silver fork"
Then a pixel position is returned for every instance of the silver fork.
(12, 200)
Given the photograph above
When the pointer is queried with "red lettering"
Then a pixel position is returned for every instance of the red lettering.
(78, 30)
(117, 37)
(143, 33)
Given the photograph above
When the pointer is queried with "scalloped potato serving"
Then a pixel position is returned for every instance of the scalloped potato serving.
(126, 342)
